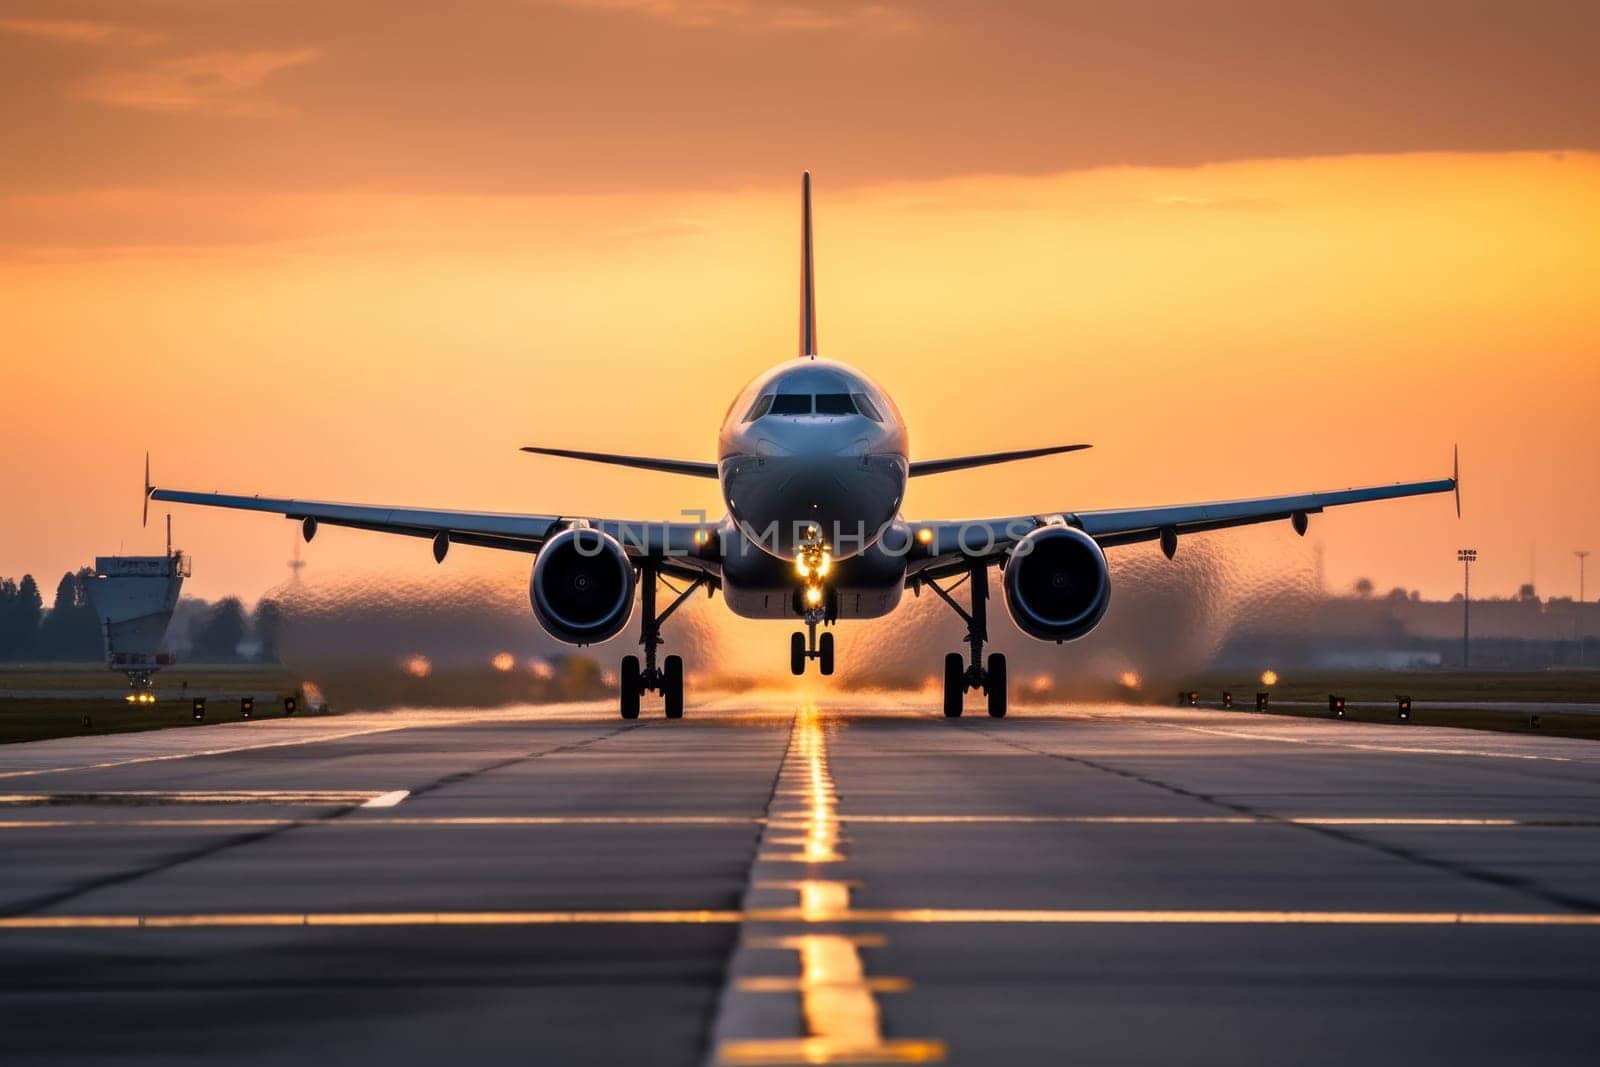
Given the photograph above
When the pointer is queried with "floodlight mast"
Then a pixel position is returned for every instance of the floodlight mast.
(1577, 614)
(1467, 556)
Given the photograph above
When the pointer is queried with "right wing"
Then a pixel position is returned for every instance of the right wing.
(649, 463)
(521, 533)
(683, 548)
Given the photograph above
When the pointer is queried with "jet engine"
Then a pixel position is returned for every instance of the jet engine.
(582, 586)
(1057, 586)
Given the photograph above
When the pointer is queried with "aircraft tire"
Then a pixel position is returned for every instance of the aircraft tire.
(628, 687)
(955, 685)
(995, 685)
(797, 653)
(672, 686)
(825, 647)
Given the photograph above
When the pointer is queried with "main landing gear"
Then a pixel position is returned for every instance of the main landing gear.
(960, 676)
(666, 679)
(811, 645)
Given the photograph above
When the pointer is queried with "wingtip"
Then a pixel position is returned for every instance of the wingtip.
(144, 519)
(1455, 475)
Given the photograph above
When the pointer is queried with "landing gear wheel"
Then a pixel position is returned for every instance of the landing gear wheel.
(629, 687)
(825, 653)
(672, 686)
(955, 685)
(797, 653)
(995, 685)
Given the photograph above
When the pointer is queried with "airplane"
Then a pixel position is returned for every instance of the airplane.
(813, 459)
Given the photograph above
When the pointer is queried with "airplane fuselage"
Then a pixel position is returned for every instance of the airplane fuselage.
(814, 450)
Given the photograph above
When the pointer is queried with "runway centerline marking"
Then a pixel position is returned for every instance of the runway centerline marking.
(839, 1006)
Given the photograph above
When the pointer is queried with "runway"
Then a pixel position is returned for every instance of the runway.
(792, 878)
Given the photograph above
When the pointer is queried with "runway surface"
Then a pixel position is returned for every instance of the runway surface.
(779, 879)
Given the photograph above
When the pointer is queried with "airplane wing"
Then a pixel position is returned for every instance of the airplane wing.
(921, 467)
(949, 547)
(692, 550)
(650, 463)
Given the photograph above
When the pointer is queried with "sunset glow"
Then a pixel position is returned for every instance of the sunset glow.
(1232, 317)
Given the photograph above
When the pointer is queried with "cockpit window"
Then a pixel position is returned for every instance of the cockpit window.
(835, 404)
(865, 406)
(762, 405)
(791, 404)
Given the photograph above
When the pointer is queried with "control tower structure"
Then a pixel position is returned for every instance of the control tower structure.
(134, 598)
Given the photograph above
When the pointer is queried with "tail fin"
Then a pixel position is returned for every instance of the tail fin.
(808, 289)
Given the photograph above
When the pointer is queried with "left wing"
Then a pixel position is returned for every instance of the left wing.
(951, 546)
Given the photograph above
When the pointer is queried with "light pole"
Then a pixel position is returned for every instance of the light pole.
(1577, 614)
(1467, 556)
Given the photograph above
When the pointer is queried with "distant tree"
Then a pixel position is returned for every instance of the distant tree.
(1397, 595)
(10, 637)
(71, 631)
(268, 628)
(20, 611)
(1363, 587)
(1527, 592)
(219, 630)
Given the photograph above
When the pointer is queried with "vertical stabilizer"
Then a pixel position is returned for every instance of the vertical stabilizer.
(808, 288)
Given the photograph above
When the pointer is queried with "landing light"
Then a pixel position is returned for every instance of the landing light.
(924, 536)
(813, 595)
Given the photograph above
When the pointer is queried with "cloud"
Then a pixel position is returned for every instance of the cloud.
(76, 31)
(761, 16)
(219, 83)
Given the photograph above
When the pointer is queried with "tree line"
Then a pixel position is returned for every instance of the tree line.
(70, 629)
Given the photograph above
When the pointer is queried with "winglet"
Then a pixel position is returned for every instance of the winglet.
(808, 289)
(1455, 475)
(145, 519)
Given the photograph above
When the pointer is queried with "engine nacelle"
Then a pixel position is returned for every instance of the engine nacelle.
(582, 586)
(1057, 585)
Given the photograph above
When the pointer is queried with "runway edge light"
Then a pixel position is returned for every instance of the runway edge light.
(246, 706)
(199, 709)
(1403, 708)
(1261, 701)
(289, 705)
(1227, 698)
(1336, 705)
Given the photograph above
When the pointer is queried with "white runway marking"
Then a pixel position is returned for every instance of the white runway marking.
(387, 800)
(1407, 750)
(165, 756)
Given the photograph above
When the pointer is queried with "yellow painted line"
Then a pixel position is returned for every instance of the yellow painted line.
(464, 821)
(839, 1007)
(420, 918)
(870, 916)
(794, 835)
(1072, 917)
(1423, 821)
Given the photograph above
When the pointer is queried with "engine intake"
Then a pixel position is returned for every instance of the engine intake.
(1057, 586)
(582, 586)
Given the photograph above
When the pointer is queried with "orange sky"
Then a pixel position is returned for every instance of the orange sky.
(365, 253)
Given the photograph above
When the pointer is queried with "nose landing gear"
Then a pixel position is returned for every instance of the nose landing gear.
(960, 676)
(810, 645)
(667, 679)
